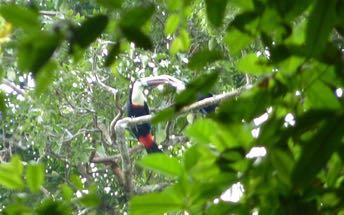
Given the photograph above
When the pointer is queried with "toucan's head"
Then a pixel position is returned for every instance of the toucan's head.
(137, 94)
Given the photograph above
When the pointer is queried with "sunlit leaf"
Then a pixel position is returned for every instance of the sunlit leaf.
(236, 41)
(204, 57)
(11, 174)
(252, 64)
(89, 200)
(156, 203)
(35, 177)
(162, 163)
(66, 191)
(21, 17)
(172, 23)
(76, 182)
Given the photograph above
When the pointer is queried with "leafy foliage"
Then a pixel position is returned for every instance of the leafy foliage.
(290, 53)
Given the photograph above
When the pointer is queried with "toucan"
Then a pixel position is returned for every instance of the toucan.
(137, 106)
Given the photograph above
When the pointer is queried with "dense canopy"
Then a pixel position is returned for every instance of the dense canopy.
(274, 69)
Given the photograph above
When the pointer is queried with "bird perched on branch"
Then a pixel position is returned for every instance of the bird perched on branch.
(137, 106)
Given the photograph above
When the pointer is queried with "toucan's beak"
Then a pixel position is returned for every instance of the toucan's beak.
(153, 82)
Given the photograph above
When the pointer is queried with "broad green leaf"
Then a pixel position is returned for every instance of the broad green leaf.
(335, 166)
(76, 181)
(320, 96)
(317, 150)
(111, 4)
(17, 208)
(89, 31)
(156, 203)
(11, 174)
(244, 5)
(319, 26)
(137, 37)
(172, 23)
(50, 206)
(36, 50)
(136, 17)
(162, 163)
(237, 40)
(35, 177)
(252, 64)
(196, 89)
(67, 192)
(176, 46)
(185, 39)
(163, 116)
(89, 200)
(283, 162)
(204, 57)
(21, 17)
(113, 53)
(216, 11)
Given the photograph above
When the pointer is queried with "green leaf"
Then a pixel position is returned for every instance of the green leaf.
(136, 17)
(89, 200)
(335, 166)
(17, 208)
(317, 150)
(252, 64)
(11, 174)
(76, 181)
(36, 50)
(111, 4)
(176, 46)
(50, 206)
(115, 49)
(66, 191)
(162, 163)
(216, 11)
(320, 96)
(45, 77)
(237, 40)
(244, 5)
(204, 57)
(172, 23)
(137, 37)
(163, 116)
(89, 31)
(283, 162)
(156, 203)
(35, 177)
(21, 17)
(319, 26)
(185, 39)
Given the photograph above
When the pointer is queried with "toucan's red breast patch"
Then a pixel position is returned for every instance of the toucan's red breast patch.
(147, 140)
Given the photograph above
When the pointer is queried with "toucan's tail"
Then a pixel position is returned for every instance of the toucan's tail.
(149, 143)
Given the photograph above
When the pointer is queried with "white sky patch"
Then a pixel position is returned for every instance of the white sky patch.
(216, 201)
(289, 120)
(256, 152)
(255, 132)
(78, 194)
(233, 194)
(160, 87)
(6, 88)
(258, 53)
(185, 60)
(259, 120)
(107, 189)
(297, 93)
(339, 92)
